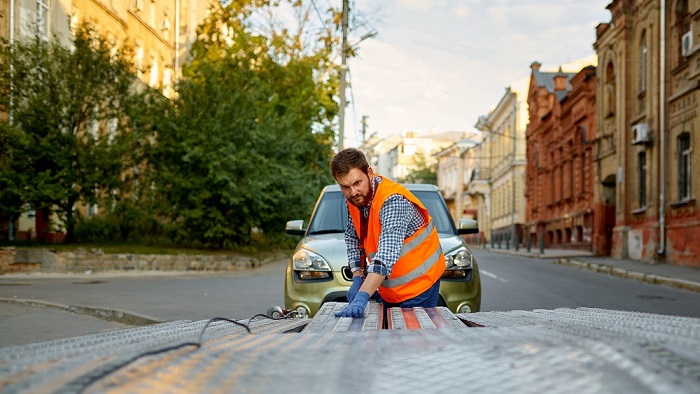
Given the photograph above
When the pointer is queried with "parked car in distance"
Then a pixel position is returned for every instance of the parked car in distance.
(318, 270)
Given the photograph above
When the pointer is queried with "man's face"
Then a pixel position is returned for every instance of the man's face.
(356, 186)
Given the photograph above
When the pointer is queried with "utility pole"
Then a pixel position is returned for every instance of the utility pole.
(343, 70)
(364, 127)
(11, 224)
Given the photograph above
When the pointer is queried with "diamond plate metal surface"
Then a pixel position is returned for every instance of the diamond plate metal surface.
(582, 350)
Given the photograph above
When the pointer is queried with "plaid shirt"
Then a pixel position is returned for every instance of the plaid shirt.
(399, 218)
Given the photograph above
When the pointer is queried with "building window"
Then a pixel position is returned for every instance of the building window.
(570, 172)
(684, 167)
(682, 25)
(152, 14)
(42, 19)
(168, 81)
(154, 72)
(138, 61)
(112, 125)
(642, 178)
(165, 27)
(93, 126)
(643, 64)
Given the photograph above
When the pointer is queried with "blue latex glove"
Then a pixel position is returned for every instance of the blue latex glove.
(356, 307)
(355, 287)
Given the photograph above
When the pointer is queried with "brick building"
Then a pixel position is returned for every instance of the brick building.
(648, 122)
(559, 178)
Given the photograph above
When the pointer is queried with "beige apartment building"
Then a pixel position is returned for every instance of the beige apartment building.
(458, 173)
(452, 176)
(648, 100)
(504, 147)
(160, 31)
(397, 155)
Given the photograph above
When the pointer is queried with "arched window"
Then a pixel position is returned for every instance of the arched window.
(609, 109)
(642, 179)
(643, 63)
(684, 169)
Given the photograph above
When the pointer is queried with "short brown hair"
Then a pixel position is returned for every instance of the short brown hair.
(346, 160)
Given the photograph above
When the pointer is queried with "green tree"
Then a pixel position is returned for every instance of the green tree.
(71, 139)
(424, 172)
(251, 137)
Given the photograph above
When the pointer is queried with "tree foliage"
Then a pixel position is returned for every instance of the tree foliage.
(71, 136)
(250, 138)
(424, 171)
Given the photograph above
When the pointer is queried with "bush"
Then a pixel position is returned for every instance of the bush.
(96, 229)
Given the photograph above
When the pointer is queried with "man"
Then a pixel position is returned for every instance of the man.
(392, 244)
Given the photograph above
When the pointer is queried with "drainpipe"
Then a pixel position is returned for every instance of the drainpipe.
(662, 135)
(12, 21)
(513, 216)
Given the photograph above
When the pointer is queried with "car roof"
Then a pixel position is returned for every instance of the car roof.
(414, 187)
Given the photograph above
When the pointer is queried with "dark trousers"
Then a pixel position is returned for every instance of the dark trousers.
(427, 299)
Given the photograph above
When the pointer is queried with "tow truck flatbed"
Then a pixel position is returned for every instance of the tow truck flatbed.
(583, 350)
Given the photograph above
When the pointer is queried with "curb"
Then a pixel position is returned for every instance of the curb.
(636, 275)
(111, 315)
(531, 254)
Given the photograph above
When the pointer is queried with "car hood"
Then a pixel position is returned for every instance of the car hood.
(332, 247)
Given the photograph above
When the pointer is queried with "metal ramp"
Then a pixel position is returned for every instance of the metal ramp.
(430, 350)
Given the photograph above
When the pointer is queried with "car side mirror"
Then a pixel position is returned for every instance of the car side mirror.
(468, 226)
(295, 227)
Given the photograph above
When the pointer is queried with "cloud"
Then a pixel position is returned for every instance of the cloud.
(461, 11)
(440, 64)
(417, 4)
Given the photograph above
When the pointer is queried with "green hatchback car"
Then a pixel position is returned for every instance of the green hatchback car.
(318, 271)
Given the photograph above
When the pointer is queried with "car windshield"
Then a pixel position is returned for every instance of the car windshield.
(331, 214)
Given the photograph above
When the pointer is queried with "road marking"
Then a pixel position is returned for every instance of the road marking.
(490, 275)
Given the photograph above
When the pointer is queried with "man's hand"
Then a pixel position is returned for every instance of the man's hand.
(356, 307)
(356, 283)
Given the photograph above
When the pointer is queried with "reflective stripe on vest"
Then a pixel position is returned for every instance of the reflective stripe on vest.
(421, 269)
(418, 271)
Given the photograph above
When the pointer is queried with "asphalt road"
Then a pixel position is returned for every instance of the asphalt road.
(165, 296)
(521, 283)
(508, 283)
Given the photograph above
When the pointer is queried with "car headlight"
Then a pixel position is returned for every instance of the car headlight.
(458, 262)
(311, 265)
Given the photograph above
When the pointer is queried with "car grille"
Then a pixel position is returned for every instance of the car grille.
(347, 274)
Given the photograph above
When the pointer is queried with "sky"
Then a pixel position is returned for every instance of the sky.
(437, 65)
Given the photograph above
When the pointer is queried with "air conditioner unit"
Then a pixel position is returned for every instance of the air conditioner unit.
(640, 133)
(687, 43)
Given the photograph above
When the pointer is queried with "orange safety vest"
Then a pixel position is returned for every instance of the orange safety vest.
(421, 261)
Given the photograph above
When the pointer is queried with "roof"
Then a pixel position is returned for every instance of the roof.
(546, 80)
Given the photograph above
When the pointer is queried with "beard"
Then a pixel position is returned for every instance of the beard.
(361, 199)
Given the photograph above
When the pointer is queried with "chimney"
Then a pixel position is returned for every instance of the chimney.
(560, 81)
(535, 65)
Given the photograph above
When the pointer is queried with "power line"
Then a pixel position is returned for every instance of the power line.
(318, 13)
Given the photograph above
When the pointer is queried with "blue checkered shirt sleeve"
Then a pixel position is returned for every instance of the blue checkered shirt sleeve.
(352, 242)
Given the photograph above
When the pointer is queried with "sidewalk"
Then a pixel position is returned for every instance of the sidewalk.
(682, 277)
